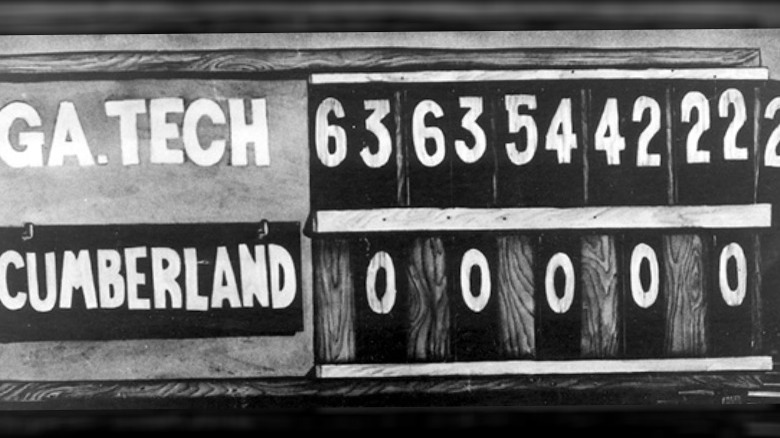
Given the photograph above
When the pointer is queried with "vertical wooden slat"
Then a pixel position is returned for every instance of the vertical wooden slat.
(515, 290)
(756, 302)
(334, 301)
(401, 162)
(599, 297)
(429, 313)
(685, 284)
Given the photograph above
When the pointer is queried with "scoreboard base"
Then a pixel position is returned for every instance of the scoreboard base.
(531, 367)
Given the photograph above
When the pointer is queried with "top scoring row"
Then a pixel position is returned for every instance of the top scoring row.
(543, 142)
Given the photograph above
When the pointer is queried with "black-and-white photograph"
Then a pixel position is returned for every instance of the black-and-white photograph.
(248, 217)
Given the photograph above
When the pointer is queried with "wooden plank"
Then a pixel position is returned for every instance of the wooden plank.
(254, 61)
(381, 298)
(644, 295)
(600, 294)
(353, 150)
(429, 308)
(474, 306)
(685, 281)
(634, 111)
(433, 76)
(559, 296)
(542, 218)
(542, 367)
(515, 289)
(731, 298)
(714, 142)
(333, 301)
(324, 392)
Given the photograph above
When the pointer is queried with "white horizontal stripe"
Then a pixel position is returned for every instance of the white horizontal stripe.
(752, 73)
(532, 367)
(542, 218)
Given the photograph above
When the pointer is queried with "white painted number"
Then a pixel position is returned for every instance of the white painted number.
(642, 105)
(474, 258)
(644, 298)
(469, 122)
(323, 132)
(421, 133)
(518, 122)
(559, 304)
(771, 157)
(733, 297)
(381, 260)
(381, 108)
(698, 101)
(733, 97)
(607, 136)
(560, 135)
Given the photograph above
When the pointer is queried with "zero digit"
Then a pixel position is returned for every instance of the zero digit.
(732, 296)
(644, 298)
(471, 259)
(559, 304)
(381, 260)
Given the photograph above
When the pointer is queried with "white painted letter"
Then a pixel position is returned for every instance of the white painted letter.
(197, 110)
(193, 301)
(127, 111)
(166, 267)
(254, 275)
(224, 286)
(77, 274)
(111, 285)
(281, 264)
(242, 134)
(32, 154)
(160, 131)
(9, 302)
(135, 279)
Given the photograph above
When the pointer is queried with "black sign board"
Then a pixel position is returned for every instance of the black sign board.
(112, 282)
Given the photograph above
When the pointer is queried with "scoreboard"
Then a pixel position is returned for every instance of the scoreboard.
(540, 221)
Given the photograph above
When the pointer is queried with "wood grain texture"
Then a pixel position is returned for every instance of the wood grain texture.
(334, 301)
(434, 76)
(599, 297)
(756, 302)
(685, 285)
(254, 61)
(429, 312)
(542, 218)
(515, 293)
(534, 367)
(319, 392)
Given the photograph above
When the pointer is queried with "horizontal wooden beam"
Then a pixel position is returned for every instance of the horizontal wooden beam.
(542, 218)
(251, 62)
(531, 367)
(537, 75)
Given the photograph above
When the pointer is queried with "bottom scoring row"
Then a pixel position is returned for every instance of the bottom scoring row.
(553, 296)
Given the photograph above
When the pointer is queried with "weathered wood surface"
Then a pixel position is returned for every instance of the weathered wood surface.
(253, 61)
(756, 301)
(339, 391)
(546, 73)
(685, 284)
(599, 297)
(429, 312)
(542, 218)
(515, 293)
(534, 367)
(334, 301)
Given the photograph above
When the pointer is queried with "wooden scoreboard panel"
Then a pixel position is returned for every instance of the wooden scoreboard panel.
(544, 217)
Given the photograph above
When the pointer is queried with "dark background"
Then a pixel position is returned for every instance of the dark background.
(201, 16)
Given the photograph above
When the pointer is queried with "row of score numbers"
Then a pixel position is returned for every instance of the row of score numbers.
(428, 139)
